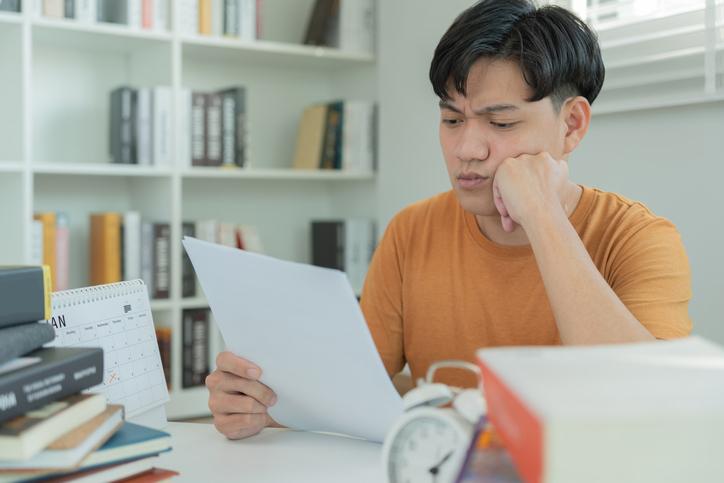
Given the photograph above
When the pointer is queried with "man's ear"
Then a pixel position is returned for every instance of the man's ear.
(576, 116)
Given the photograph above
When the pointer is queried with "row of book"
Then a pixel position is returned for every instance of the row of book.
(195, 347)
(345, 245)
(213, 127)
(50, 427)
(139, 14)
(338, 135)
(228, 18)
(347, 25)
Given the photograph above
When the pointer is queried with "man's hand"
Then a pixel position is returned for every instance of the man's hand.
(238, 401)
(526, 184)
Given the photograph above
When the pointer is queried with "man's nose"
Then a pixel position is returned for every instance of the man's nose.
(472, 144)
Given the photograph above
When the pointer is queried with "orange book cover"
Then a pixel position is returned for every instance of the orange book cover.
(205, 17)
(105, 248)
(49, 243)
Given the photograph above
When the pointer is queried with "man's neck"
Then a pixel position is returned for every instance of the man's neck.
(491, 227)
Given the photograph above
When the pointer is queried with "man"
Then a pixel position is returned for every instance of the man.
(516, 253)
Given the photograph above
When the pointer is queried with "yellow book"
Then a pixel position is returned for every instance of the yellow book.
(49, 242)
(205, 17)
(310, 137)
(105, 248)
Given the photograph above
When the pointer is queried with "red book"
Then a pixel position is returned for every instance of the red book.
(147, 14)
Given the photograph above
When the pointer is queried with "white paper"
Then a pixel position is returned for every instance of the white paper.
(303, 326)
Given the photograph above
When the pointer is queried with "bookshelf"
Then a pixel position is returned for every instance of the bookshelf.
(54, 88)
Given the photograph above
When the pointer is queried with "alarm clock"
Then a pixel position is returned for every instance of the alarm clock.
(429, 442)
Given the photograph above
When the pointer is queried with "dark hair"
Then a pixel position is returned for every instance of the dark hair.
(557, 52)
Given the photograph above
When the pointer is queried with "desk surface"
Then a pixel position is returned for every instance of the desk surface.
(200, 453)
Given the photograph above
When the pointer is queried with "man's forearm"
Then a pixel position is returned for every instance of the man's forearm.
(586, 309)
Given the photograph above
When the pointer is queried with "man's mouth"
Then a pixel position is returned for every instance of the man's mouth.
(471, 180)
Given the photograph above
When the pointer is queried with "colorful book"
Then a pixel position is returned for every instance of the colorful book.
(24, 294)
(24, 436)
(195, 356)
(69, 450)
(161, 260)
(310, 137)
(46, 375)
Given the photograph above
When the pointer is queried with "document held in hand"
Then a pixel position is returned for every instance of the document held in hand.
(303, 326)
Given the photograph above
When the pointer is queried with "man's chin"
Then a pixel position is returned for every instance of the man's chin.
(480, 204)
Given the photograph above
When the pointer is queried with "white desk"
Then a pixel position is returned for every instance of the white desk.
(200, 453)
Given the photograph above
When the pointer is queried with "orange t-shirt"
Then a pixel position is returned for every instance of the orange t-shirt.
(437, 288)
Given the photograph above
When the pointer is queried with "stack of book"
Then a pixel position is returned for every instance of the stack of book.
(239, 19)
(123, 247)
(214, 123)
(139, 14)
(337, 135)
(48, 426)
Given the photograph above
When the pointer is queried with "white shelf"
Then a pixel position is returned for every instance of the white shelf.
(96, 36)
(278, 174)
(10, 17)
(617, 107)
(90, 169)
(260, 50)
(10, 167)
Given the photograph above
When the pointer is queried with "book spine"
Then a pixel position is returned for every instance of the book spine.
(231, 18)
(187, 346)
(161, 272)
(184, 146)
(330, 136)
(228, 128)
(36, 243)
(200, 347)
(135, 14)
(131, 245)
(188, 16)
(242, 140)
(328, 244)
(213, 129)
(49, 242)
(147, 14)
(10, 5)
(205, 17)
(69, 9)
(62, 253)
(160, 17)
(518, 425)
(338, 137)
(198, 129)
(144, 127)
(162, 126)
(24, 295)
(54, 8)
(163, 337)
(122, 136)
(217, 18)
(147, 249)
(85, 11)
(249, 18)
(188, 276)
(36, 388)
(105, 248)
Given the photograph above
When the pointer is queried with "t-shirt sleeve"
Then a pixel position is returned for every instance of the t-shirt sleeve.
(381, 299)
(651, 275)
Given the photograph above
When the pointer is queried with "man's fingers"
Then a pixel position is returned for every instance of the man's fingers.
(237, 426)
(233, 384)
(228, 362)
(508, 223)
(225, 403)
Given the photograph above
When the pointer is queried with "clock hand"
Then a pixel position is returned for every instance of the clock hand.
(435, 469)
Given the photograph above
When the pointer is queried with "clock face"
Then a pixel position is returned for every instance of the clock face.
(425, 450)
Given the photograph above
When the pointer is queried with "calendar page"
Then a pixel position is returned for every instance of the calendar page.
(116, 317)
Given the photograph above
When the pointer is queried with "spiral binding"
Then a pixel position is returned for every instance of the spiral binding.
(85, 295)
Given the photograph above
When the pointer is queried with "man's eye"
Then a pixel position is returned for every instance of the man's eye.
(451, 122)
(503, 125)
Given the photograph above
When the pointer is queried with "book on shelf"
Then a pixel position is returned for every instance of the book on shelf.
(144, 126)
(68, 450)
(163, 337)
(48, 219)
(233, 108)
(162, 126)
(195, 355)
(18, 340)
(136, 14)
(46, 375)
(345, 245)
(624, 412)
(242, 236)
(9, 5)
(147, 249)
(161, 260)
(338, 135)
(105, 248)
(131, 245)
(36, 242)
(54, 8)
(188, 276)
(213, 129)
(184, 146)
(238, 19)
(23, 437)
(122, 136)
(348, 25)
(24, 294)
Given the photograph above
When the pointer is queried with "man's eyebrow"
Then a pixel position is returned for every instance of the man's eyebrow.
(486, 110)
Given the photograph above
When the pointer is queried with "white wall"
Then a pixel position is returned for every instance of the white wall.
(671, 159)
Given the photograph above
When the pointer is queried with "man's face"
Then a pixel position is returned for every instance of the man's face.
(494, 122)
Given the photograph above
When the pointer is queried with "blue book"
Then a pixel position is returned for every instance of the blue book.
(132, 441)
